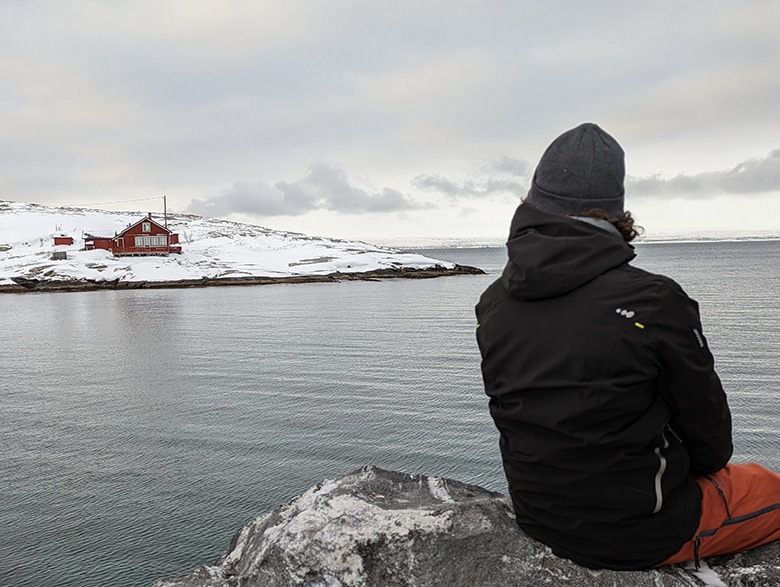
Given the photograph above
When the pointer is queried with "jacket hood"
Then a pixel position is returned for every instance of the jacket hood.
(551, 254)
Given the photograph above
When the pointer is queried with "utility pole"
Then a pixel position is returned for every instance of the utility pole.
(165, 211)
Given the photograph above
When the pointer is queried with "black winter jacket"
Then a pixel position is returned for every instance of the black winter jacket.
(604, 393)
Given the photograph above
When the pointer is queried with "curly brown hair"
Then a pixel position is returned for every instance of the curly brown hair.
(625, 223)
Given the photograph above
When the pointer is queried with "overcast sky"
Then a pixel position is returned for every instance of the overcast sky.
(395, 119)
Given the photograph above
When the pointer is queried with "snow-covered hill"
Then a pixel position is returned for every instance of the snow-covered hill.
(212, 249)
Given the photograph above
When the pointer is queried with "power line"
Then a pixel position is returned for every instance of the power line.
(118, 201)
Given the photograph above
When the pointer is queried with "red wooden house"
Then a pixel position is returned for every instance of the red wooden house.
(145, 237)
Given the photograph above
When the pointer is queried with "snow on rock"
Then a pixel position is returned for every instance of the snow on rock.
(212, 249)
(375, 527)
(705, 574)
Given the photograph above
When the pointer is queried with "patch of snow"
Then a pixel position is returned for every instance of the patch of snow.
(705, 574)
(323, 525)
(439, 490)
(326, 581)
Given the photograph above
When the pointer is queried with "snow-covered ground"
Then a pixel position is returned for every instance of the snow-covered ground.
(210, 248)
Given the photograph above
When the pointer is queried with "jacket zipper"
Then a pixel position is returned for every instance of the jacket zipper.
(725, 501)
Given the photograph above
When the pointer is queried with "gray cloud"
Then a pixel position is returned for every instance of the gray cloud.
(325, 187)
(751, 177)
(507, 176)
(502, 176)
(254, 198)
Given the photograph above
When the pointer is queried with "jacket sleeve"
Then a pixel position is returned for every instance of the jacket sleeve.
(700, 414)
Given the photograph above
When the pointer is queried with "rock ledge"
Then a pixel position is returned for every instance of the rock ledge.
(375, 527)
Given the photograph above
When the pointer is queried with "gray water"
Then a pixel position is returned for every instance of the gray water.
(141, 429)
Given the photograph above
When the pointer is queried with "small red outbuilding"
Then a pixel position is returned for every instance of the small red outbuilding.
(92, 242)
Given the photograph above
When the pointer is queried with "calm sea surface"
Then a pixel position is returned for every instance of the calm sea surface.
(141, 429)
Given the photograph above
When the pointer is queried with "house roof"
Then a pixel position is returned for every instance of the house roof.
(145, 219)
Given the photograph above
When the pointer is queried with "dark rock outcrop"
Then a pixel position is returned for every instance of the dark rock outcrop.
(375, 528)
(27, 284)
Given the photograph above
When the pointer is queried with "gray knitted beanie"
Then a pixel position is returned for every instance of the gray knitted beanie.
(581, 169)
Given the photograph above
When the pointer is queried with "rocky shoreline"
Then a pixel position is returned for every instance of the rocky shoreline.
(24, 285)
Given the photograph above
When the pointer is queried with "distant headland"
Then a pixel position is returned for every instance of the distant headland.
(44, 248)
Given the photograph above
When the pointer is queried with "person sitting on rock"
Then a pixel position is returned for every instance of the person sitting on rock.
(615, 431)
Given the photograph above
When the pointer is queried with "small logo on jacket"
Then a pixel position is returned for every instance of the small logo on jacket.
(629, 314)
